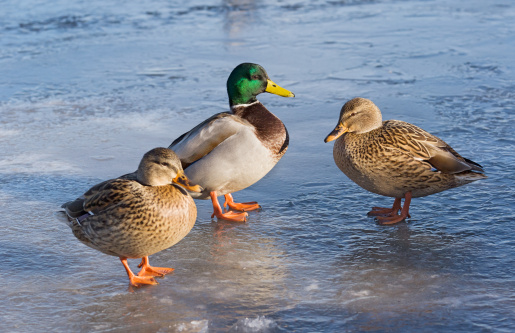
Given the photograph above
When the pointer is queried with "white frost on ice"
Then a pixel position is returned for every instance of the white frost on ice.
(196, 326)
(166, 300)
(361, 293)
(259, 324)
(313, 286)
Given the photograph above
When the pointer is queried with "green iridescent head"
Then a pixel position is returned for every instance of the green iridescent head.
(249, 80)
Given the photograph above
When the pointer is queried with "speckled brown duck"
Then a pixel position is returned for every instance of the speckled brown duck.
(232, 150)
(136, 218)
(395, 159)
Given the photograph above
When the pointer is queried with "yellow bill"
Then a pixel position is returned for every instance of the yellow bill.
(183, 181)
(336, 133)
(273, 88)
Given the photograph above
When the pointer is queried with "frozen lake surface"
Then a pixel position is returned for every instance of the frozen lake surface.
(87, 87)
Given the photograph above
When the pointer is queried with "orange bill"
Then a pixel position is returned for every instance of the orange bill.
(182, 180)
(336, 133)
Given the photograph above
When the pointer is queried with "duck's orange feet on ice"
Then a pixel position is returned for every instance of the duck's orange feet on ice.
(229, 216)
(394, 218)
(382, 211)
(135, 280)
(147, 270)
(243, 206)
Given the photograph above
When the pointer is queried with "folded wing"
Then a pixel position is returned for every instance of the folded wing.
(430, 149)
(202, 139)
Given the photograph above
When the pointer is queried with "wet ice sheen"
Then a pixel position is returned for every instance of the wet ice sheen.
(88, 87)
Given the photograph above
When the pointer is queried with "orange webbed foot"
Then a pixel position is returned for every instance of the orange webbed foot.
(243, 206)
(392, 217)
(147, 270)
(231, 216)
(382, 211)
(137, 281)
(387, 220)
(134, 280)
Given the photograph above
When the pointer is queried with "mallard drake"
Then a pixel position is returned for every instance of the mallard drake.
(232, 150)
(395, 159)
(136, 218)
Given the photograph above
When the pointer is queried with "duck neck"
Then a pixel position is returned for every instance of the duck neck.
(242, 109)
(238, 99)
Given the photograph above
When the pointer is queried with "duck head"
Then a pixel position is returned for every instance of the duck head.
(249, 80)
(161, 166)
(359, 115)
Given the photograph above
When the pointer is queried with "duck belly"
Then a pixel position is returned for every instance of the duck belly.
(235, 164)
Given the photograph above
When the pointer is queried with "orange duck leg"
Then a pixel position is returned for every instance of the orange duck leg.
(136, 280)
(229, 216)
(394, 218)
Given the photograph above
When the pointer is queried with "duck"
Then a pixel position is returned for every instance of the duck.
(396, 159)
(232, 150)
(135, 218)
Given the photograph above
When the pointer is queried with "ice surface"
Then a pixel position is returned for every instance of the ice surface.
(89, 86)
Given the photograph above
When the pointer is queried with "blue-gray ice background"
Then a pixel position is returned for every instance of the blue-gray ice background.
(86, 87)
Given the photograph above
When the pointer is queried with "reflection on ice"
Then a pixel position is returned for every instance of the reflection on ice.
(239, 15)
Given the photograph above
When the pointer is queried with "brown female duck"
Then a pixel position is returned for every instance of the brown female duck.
(136, 218)
(396, 159)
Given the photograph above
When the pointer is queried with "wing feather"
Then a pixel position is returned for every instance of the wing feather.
(110, 194)
(100, 196)
(202, 139)
(426, 147)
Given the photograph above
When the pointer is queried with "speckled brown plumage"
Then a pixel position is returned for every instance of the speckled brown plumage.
(128, 218)
(133, 221)
(393, 158)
